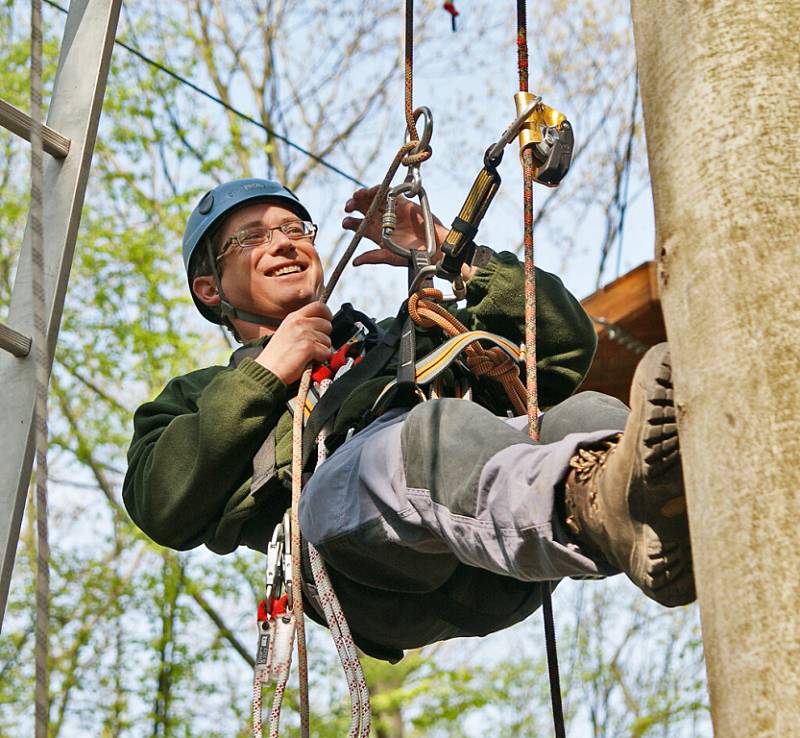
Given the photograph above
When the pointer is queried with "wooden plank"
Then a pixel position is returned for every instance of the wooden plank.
(14, 342)
(630, 302)
(632, 293)
(20, 123)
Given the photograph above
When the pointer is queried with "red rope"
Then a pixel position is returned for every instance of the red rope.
(530, 363)
(530, 296)
(522, 46)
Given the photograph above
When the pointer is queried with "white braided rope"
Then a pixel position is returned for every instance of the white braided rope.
(42, 697)
(258, 687)
(361, 715)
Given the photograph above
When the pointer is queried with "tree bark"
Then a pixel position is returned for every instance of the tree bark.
(721, 101)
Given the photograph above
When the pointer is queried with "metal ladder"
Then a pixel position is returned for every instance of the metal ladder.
(69, 138)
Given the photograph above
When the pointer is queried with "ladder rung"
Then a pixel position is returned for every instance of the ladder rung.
(20, 123)
(14, 342)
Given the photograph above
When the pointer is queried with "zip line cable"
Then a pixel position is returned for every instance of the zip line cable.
(200, 91)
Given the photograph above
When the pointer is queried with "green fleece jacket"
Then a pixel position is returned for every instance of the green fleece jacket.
(190, 460)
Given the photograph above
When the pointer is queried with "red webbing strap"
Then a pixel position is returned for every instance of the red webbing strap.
(530, 363)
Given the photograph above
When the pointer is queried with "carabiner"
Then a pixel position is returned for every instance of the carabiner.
(390, 219)
(411, 186)
(494, 153)
(274, 578)
(288, 572)
(427, 131)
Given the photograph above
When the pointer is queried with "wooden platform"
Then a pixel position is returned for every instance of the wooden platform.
(632, 309)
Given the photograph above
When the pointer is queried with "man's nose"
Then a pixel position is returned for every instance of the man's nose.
(279, 243)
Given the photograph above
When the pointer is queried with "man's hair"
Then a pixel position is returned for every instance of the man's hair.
(200, 264)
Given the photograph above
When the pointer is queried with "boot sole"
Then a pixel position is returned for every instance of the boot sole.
(665, 554)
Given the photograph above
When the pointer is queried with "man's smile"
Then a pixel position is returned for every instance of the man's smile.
(283, 270)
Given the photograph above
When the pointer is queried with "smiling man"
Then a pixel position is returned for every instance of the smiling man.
(438, 521)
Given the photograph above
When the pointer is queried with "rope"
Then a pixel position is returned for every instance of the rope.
(42, 369)
(492, 362)
(522, 46)
(530, 361)
(408, 45)
(530, 295)
(361, 714)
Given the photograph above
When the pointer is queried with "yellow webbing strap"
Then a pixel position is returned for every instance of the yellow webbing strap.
(431, 366)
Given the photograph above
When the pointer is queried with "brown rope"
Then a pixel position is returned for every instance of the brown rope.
(522, 46)
(408, 46)
(492, 362)
(530, 363)
(530, 296)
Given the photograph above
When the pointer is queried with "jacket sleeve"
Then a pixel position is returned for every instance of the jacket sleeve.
(565, 337)
(193, 447)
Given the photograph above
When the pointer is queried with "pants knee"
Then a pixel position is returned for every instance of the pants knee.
(584, 412)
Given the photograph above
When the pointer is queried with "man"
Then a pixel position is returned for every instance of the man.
(436, 522)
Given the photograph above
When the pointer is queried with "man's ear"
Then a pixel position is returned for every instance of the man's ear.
(205, 289)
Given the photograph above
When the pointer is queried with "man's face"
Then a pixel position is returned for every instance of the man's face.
(272, 279)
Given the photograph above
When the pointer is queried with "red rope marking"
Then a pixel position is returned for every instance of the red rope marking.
(522, 46)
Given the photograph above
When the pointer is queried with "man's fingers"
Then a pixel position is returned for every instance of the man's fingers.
(351, 224)
(319, 325)
(379, 256)
(316, 309)
(374, 256)
(361, 199)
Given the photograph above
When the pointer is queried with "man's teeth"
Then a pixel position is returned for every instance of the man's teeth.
(286, 270)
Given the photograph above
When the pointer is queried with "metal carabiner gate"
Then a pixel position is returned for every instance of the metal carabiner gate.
(411, 186)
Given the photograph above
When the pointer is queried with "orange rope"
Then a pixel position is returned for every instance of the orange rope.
(492, 362)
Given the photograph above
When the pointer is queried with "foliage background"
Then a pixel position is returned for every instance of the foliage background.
(148, 642)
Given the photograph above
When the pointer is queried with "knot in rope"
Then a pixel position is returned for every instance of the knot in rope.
(413, 157)
(493, 362)
(428, 314)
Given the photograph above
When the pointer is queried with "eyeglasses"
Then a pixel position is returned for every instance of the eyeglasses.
(251, 238)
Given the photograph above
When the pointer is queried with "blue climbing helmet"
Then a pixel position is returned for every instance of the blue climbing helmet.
(214, 206)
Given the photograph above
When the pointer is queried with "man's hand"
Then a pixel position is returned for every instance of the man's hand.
(303, 337)
(409, 233)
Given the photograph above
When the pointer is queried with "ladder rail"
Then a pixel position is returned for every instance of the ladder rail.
(74, 112)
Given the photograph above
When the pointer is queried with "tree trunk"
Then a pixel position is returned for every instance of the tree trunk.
(720, 92)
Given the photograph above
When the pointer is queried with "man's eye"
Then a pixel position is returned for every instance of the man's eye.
(294, 229)
(253, 238)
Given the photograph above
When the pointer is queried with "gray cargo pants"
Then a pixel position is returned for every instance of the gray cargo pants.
(418, 500)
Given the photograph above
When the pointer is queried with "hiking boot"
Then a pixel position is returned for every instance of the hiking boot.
(624, 497)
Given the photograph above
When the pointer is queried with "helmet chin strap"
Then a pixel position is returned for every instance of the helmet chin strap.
(226, 308)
